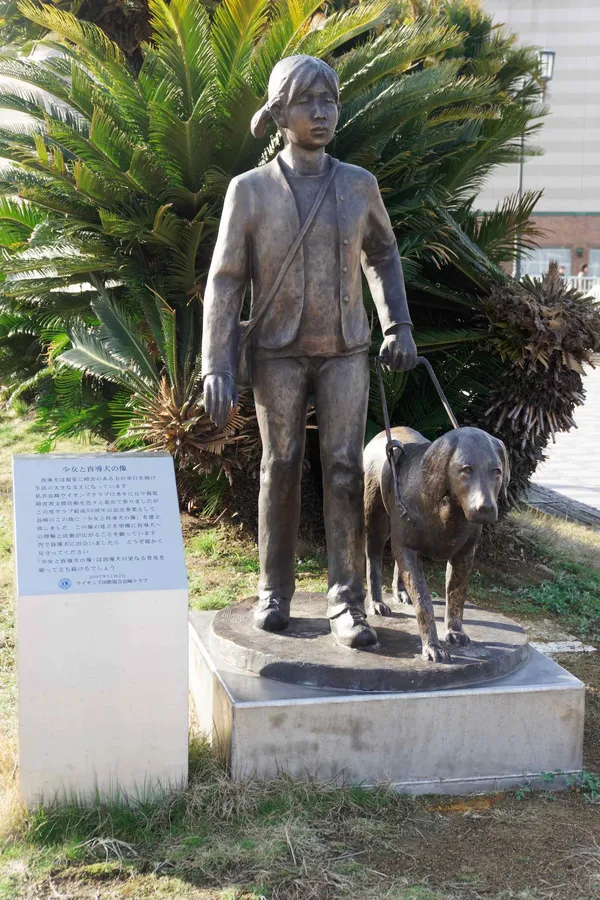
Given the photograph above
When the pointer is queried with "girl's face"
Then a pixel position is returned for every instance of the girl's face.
(310, 119)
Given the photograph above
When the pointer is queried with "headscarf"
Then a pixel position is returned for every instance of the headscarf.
(290, 77)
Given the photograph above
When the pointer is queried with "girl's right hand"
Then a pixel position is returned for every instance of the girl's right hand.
(220, 395)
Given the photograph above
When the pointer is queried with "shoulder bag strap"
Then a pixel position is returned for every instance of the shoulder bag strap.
(252, 323)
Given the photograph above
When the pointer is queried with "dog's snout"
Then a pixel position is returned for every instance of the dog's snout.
(481, 509)
(485, 513)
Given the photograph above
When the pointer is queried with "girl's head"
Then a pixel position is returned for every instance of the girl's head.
(304, 95)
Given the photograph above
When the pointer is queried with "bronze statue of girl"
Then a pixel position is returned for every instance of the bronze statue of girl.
(311, 334)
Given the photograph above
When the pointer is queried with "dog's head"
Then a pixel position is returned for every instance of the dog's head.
(471, 466)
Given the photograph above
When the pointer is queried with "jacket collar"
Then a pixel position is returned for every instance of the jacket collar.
(278, 162)
(276, 171)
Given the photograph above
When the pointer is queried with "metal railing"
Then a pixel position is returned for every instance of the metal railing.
(586, 284)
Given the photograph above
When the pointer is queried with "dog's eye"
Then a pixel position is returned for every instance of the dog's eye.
(467, 470)
(497, 471)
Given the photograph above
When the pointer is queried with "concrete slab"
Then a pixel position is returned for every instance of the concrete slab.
(553, 648)
(472, 739)
(572, 467)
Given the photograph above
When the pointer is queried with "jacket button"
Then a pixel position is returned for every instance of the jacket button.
(346, 298)
(345, 269)
(345, 240)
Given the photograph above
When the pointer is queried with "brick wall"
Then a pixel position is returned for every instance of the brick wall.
(576, 232)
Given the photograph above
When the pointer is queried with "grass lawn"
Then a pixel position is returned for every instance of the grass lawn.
(288, 840)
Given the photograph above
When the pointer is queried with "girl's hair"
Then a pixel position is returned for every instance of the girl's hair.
(289, 78)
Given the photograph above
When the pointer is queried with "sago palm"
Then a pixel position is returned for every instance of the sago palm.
(125, 172)
(154, 366)
(128, 173)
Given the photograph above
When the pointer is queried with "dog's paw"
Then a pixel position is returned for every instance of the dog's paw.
(458, 638)
(401, 596)
(435, 653)
(379, 608)
(382, 609)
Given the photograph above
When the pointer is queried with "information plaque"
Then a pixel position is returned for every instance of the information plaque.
(92, 524)
(102, 626)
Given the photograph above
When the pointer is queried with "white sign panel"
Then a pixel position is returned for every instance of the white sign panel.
(96, 523)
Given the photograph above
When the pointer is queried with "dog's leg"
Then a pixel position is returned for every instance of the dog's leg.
(399, 591)
(411, 569)
(377, 533)
(458, 572)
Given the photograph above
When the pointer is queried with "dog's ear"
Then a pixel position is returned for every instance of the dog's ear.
(435, 465)
(505, 468)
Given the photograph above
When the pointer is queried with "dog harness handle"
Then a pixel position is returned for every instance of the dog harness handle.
(393, 445)
(425, 362)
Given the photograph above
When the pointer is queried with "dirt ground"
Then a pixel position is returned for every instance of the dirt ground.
(544, 846)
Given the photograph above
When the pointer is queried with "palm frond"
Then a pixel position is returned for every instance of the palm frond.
(29, 384)
(85, 35)
(289, 21)
(237, 26)
(342, 27)
(392, 53)
(122, 337)
(91, 355)
(507, 230)
(99, 54)
(183, 51)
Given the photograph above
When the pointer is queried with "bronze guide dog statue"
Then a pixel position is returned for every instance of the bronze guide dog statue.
(449, 489)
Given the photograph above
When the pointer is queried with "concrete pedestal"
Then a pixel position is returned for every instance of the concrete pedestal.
(472, 739)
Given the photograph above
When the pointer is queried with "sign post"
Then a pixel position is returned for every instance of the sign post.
(102, 631)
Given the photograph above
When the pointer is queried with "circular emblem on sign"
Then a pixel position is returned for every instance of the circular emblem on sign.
(64, 583)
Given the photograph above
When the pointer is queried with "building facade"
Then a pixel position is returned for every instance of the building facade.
(569, 170)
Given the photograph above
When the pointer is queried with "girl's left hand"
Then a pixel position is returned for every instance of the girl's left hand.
(399, 351)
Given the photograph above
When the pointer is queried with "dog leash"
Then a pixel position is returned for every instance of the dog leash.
(393, 444)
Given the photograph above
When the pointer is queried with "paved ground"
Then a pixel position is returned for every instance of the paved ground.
(573, 465)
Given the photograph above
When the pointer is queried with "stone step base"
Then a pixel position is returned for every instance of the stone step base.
(475, 739)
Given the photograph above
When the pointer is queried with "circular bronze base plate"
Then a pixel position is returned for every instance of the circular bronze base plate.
(306, 653)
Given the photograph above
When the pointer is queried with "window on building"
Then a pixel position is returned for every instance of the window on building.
(540, 259)
(594, 263)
